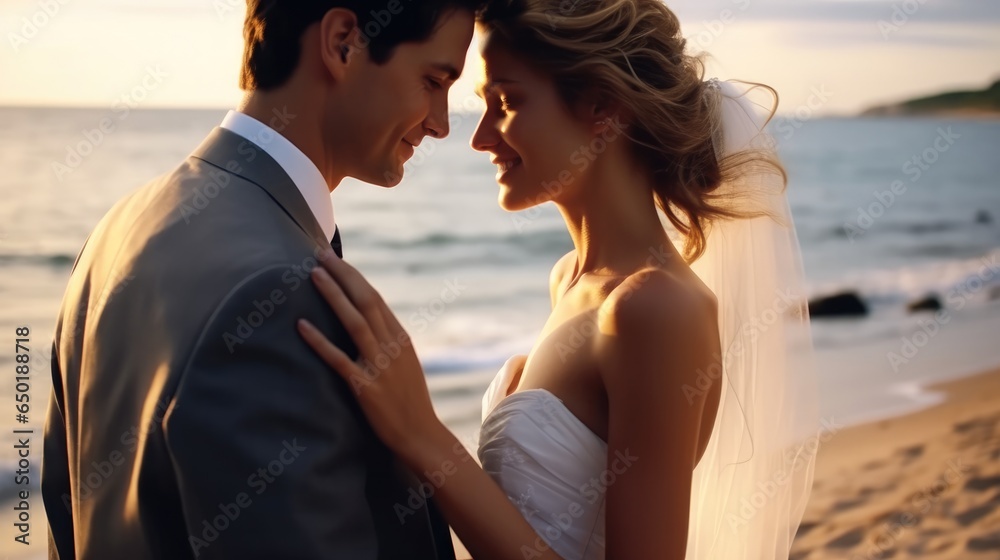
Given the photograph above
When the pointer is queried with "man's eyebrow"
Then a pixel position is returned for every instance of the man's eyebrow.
(452, 72)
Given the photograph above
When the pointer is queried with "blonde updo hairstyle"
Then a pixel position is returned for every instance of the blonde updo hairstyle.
(632, 53)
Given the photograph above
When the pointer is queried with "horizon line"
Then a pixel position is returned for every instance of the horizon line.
(208, 108)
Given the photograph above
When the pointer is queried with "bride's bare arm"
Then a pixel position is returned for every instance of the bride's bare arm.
(486, 521)
(390, 387)
(656, 337)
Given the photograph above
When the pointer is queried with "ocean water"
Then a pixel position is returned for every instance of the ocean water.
(891, 209)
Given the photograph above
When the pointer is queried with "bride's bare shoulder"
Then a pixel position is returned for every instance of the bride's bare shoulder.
(658, 331)
(655, 298)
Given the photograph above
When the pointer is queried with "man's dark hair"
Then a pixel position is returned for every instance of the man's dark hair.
(273, 31)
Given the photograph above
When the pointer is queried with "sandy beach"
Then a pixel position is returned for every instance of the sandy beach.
(925, 485)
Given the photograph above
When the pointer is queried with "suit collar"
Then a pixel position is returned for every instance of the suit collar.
(304, 173)
(241, 157)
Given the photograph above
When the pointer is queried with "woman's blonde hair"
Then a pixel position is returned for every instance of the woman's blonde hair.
(631, 53)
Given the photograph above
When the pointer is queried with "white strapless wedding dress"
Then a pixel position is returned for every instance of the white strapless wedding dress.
(549, 464)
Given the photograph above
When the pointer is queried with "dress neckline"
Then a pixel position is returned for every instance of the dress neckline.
(506, 376)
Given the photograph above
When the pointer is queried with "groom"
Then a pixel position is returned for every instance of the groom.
(188, 418)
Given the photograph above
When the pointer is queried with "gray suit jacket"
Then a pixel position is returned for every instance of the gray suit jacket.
(188, 419)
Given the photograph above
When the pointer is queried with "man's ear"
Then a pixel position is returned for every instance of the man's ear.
(339, 40)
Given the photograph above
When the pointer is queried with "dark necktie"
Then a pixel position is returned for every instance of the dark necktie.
(338, 248)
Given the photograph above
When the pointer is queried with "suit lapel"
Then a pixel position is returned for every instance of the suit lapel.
(241, 157)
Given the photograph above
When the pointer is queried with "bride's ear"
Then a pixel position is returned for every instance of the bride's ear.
(339, 40)
(602, 112)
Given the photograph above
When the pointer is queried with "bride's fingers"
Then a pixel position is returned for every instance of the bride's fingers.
(396, 330)
(357, 325)
(361, 294)
(335, 357)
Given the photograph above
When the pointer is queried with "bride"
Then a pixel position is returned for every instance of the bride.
(668, 408)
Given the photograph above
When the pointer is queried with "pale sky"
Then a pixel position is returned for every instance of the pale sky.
(837, 55)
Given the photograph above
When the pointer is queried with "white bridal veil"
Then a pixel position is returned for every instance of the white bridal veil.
(750, 489)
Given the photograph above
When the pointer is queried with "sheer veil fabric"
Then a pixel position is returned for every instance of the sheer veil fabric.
(750, 488)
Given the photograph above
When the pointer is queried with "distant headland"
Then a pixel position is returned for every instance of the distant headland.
(981, 103)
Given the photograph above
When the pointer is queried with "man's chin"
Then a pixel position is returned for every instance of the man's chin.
(392, 178)
(387, 177)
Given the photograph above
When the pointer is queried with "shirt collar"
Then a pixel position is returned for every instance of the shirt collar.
(296, 164)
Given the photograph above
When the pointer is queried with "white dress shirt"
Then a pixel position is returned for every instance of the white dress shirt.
(297, 165)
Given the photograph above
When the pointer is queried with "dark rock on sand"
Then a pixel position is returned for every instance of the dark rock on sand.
(929, 303)
(847, 304)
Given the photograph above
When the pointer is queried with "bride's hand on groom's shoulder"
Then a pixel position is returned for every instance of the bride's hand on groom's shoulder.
(387, 377)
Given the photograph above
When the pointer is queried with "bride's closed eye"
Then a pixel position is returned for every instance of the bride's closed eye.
(502, 102)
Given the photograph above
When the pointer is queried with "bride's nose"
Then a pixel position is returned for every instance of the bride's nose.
(486, 135)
